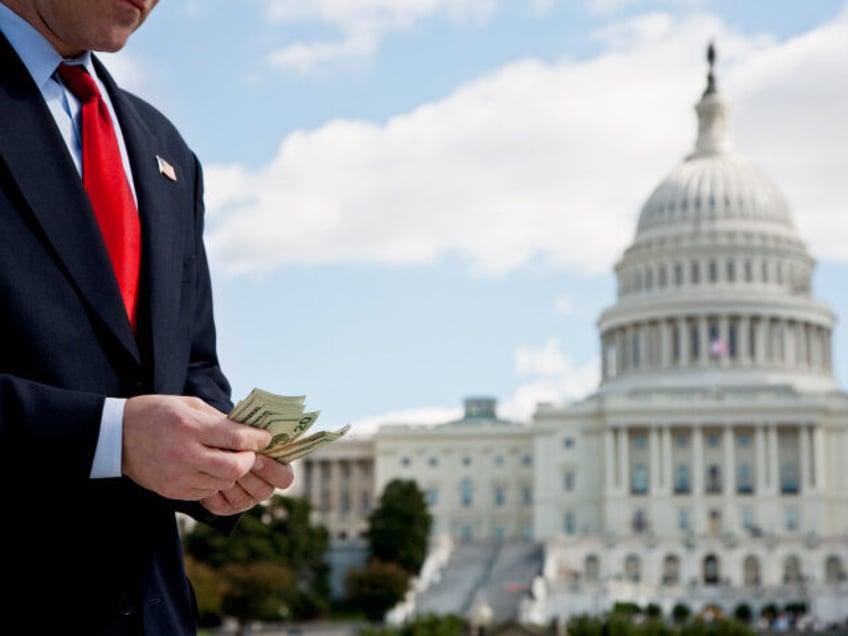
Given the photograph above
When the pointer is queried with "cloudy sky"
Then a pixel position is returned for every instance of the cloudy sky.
(411, 202)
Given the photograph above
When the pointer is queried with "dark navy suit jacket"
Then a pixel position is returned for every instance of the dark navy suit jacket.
(101, 554)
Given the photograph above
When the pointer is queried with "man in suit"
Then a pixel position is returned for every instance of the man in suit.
(112, 420)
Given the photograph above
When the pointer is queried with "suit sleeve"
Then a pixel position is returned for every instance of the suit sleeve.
(205, 378)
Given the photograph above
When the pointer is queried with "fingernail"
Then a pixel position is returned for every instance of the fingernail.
(259, 463)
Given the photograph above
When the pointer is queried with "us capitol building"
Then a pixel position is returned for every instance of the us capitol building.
(709, 467)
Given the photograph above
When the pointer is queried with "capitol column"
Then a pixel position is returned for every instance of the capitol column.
(609, 457)
(624, 460)
(315, 486)
(665, 344)
(620, 344)
(724, 334)
(800, 346)
(655, 472)
(742, 335)
(642, 333)
(729, 460)
(774, 458)
(761, 339)
(703, 341)
(788, 343)
(804, 450)
(697, 460)
(668, 467)
(818, 457)
(761, 485)
(683, 340)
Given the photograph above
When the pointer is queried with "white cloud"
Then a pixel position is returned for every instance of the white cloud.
(424, 416)
(360, 24)
(554, 377)
(545, 162)
(548, 374)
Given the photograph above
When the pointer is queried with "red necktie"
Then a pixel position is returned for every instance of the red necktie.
(107, 186)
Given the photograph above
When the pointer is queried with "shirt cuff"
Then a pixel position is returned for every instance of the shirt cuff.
(107, 455)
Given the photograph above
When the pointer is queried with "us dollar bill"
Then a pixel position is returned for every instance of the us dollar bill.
(284, 417)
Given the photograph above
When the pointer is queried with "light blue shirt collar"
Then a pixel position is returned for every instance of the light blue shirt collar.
(37, 54)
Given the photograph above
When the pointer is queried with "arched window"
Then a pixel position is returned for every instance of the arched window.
(671, 570)
(833, 569)
(751, 571)
(792, 570)
(632, 568)
(592, 569)
(711, 570)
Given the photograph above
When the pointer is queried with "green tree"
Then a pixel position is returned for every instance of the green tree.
(209, 589)
(277, 533)
(376, 588)
(680, 613)
(399, 527)
(257, 591)
(430, 625)
(743, 612)
(585, 625)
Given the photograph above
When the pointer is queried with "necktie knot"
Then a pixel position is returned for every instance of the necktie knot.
(79, 82)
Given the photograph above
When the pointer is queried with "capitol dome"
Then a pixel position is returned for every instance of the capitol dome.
(716, 287)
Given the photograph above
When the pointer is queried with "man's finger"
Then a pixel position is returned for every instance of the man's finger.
(226, 434)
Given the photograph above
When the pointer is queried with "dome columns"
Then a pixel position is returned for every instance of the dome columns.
(709, 339)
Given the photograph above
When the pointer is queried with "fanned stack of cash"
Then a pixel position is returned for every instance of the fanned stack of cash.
(283, 416)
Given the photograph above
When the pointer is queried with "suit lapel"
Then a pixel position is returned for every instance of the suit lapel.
(36, 156)
(162, 240)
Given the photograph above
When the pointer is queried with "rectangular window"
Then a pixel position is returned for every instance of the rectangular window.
(789, 479)
(500, 496)
(432, 496)
(713, 479)
(569, 524)
(745, 480)
(683, 522)
(746, 519)
(695, 273)
(791, 519)
(681, 480)
(466, 492)
(678, 274)
(639, 483)
(568, 481)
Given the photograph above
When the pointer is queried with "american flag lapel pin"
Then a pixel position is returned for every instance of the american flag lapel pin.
(166, 168)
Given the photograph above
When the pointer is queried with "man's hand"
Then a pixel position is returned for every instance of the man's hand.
(259, 484)
(182, 448)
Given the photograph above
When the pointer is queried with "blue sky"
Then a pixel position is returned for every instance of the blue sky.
(415, 201)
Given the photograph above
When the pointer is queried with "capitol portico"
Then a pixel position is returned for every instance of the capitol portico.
(708, 468)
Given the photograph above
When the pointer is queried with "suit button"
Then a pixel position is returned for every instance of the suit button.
(127, 605)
